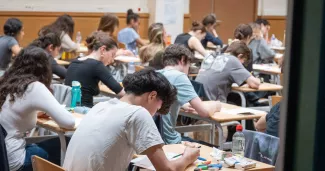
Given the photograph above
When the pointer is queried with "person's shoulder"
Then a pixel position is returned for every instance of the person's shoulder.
(171, 73)
(36, 86)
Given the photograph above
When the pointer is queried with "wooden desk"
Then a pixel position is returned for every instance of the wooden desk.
(62, 62)
(49, 124)
(220, 119)
(278, 48)
(267, 69)
(263, 87)
(127, 59)
(205, 153)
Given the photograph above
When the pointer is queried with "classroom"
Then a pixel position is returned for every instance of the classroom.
(166, 85)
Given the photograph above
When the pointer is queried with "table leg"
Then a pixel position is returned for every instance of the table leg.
(243, 104)
(220, 138)
(212, 133)
(63, 147)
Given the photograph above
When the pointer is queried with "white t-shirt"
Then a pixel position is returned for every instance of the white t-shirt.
(21, 116)
(108, 136)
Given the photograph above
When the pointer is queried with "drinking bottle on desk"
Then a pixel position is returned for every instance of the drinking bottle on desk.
(75, 94)
(238, 142)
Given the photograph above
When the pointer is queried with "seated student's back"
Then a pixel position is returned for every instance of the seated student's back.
(218, 75)
(13, 33)
(91, 69)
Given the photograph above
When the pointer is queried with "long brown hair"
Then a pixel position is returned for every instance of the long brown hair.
(198, 26)
(30, 65)
(157, 43)
(108, 23)
(63, 23)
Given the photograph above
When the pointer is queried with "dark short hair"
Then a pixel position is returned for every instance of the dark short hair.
(209, 19)
(243, 31)
(174, 54)
(46, 40)
(263, 21)
(130, 15)
(147, 80)
(12, 27)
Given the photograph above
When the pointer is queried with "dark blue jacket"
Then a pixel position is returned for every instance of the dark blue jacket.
(210, 38)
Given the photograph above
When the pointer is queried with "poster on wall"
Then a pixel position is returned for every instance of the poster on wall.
(170, 12)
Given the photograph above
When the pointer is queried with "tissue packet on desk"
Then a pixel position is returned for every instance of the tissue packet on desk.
(245, 164)
(219, 154)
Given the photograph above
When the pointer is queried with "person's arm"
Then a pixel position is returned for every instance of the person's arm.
(159, 160)
(260, 125)
(143, 135)
(205, 109)
(43, 100)
(187, 94)
(141, 42)
(253, 82)
(57, 69)
(265, 51)
(15, 50)
(238, 74)
(106, 78)
(123, 52)
(213, 39)
(195, 44)
(67, 44)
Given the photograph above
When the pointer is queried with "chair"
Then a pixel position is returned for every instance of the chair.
(62, 93)
(261, 147)
(274, 100)
(4, 165)
(40, 164)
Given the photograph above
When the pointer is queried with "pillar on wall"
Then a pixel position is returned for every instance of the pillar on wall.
(168, 12)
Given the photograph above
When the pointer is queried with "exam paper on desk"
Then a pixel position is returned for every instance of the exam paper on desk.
(52, 122)
(238, 111)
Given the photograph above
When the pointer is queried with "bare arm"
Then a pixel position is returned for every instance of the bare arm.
(161, 163)
(253, 82)
(260, 125)
(15, 50)
(195, 44)
(141, 42)
(205, 109)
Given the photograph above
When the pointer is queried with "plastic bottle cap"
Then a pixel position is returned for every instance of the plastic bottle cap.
(239, 128)
(75, 84)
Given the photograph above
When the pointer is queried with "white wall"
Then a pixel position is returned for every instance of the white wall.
(74, 5)
(79, 5)
(272, 7)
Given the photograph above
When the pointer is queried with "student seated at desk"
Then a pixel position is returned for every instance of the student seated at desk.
(265, 28)
(177, 59)
(108, 24)
(129, 35)
(51, 43)
(218, 74)
(25, 91)
(91, 69)
(157, 43)
(192, 39)
(262, 53)
(210, 22)
(113, 131)
(13, 33)
(63, 26)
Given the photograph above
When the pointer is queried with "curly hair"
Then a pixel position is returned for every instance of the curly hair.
(147, 80)
(174, 54)
(46, 40)
(30, 65)
(63, 23)
(12, 27)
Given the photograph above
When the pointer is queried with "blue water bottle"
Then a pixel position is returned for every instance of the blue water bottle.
(75, 94)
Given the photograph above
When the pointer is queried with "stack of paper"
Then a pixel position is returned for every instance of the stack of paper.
(145, 163)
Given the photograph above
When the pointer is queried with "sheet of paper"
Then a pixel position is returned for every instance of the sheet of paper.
(144, 161)
(127, 58)
(170, 12)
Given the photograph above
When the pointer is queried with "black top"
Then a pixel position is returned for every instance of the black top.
(57, 69)
(273, 121)
(183, 40)
(89, 72)
(4, 165)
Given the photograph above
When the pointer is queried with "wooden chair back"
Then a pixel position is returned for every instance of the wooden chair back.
(40, 164)
(274, 100)
(138, 68)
